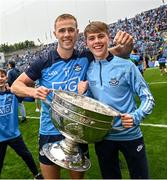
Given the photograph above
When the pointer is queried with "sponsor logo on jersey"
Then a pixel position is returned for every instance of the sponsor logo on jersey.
(66, 71)
(52, 73)
(7, 108)
(70, 84)
(114, 82)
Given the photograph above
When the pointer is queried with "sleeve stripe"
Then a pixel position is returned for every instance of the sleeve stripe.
(147, 107)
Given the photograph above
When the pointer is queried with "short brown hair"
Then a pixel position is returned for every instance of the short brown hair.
(65, 16)
(3, 71)
(96, 27)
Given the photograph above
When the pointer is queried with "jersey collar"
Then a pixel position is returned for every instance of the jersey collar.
(109, 57)
(74, 56)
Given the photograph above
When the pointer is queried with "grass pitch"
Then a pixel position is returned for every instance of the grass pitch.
(155, 138)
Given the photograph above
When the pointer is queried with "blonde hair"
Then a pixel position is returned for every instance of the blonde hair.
(64, 17)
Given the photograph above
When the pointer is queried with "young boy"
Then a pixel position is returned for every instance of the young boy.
(9, 130)
(116, 81)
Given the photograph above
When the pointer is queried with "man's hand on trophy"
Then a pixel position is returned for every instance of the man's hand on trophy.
(41, 92)
(82, 87)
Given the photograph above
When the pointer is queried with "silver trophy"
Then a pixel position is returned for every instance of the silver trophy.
(80, 119)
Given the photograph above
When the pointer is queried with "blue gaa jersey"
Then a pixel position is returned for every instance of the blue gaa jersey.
(54, 72)
(9, 127)
(137, 59)
(116, 81)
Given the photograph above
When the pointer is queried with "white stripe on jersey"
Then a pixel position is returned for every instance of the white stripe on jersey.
(147, 107)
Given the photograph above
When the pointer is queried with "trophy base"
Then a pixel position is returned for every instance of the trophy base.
(73, 161)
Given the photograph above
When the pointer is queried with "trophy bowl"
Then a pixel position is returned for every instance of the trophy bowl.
(80, 119)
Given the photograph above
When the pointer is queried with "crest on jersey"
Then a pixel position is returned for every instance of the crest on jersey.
(114, 82)
(77, 68)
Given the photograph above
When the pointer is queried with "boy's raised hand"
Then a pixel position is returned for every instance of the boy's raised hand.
(123, 44)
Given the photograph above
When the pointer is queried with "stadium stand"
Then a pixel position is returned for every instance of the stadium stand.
(146, 28)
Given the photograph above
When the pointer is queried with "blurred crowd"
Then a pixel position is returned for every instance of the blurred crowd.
(146, 28)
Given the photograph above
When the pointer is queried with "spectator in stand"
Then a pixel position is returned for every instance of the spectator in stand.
(13, 74)
(9, 128)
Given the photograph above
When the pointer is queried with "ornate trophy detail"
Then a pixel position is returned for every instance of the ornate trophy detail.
(81, 120)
